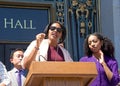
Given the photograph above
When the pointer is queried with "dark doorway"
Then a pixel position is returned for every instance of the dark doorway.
(5, 50)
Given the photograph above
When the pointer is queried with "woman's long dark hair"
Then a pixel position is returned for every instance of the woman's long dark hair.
(63, 31)
(107, 47)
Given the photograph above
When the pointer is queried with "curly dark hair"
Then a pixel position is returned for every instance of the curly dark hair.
(107, 47)
(63, 31)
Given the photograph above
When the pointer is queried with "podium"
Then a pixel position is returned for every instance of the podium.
(60, 74)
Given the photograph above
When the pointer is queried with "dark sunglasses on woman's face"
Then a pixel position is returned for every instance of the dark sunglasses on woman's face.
(55, 28)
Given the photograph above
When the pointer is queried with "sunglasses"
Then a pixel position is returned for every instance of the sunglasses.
(54, 28)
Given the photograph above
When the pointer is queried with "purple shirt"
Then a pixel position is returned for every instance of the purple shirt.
(101, 79)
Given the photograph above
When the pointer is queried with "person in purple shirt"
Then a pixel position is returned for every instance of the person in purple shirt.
(100, 50)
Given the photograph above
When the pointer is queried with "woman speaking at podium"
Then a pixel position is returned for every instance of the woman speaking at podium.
(46, 46)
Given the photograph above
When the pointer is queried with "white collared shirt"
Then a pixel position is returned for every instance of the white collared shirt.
(4, 78)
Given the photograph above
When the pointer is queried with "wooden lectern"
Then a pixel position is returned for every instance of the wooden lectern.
(61, 74)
